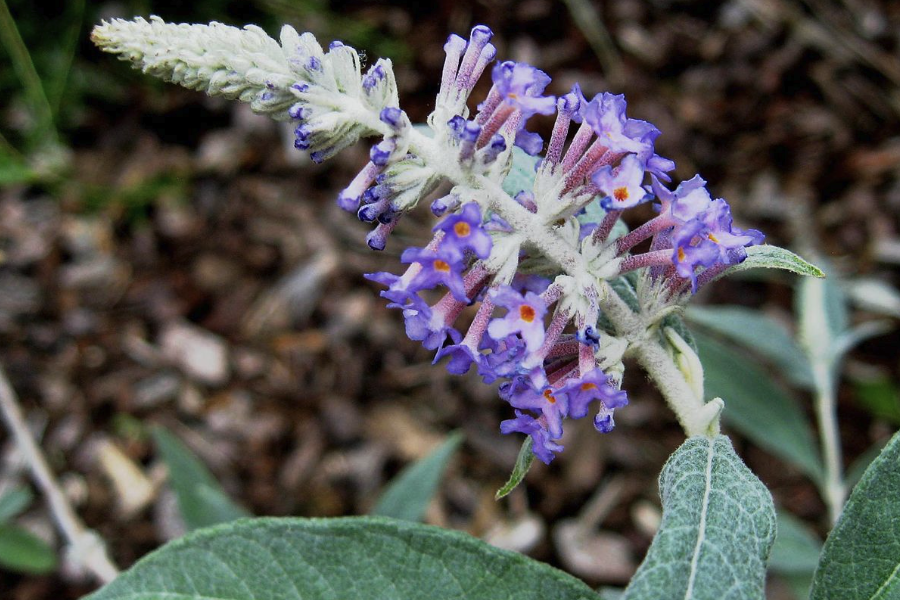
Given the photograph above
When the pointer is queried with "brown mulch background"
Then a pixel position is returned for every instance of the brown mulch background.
(194, 272)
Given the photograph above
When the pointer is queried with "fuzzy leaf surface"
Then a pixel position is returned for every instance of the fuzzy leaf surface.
(775, 257)
(861, 559)
(717, 528)
(336, 559)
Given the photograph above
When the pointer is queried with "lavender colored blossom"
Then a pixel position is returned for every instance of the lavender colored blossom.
(606, 116)
(689, 199)
(710, 239)
(525, 316)
(437, 268)
(552, 408)
(580, 392)
(461, 356)
(521, 85)
(464, 232)
(621, 184)
(544, 447)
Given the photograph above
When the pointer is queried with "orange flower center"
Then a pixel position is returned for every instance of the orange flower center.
(549, 397)
(681, 255)
(441, 266)
(462, 229)
(588, 386)
(526, 313)
(712, 238)
(620, 194)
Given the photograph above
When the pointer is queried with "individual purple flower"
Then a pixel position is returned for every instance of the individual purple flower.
(525, 316)
(710, 239)
(521, 85)
(689, 199)
(429, 327)
(551, 407)
(621, 184)
(463, 231)
(532, 143)
(461, 356)
(580, 392)
(398, 293)
(543, 447)
(653, 163)
(504, 359)
(606, 116)
(438, 268)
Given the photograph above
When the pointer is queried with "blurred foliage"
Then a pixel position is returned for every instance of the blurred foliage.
(21, 550)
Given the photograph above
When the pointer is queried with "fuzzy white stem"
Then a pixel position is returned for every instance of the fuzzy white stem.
(834, 491)
(85, 546)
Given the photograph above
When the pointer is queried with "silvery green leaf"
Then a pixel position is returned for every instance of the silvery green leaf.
(796, 549)
(717, 528)
(365, 558)
(13, 502)
(521, 173)
(760, 333)
(758, 408)
(408, 495)
(21, 551)
(874, 295)
(520, 469)
(861, 559)
(201, 500)
(774, 257)
(676, 322)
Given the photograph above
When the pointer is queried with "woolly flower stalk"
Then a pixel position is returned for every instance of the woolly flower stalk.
(530, 281)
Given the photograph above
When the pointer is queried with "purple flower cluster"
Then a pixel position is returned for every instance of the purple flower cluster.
(544, 355)
(549, 376)
(611, 156)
